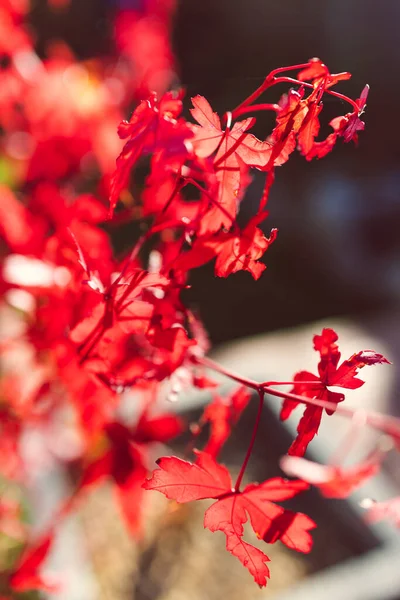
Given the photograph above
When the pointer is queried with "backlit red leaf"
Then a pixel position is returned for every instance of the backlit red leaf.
(311, 386)
(184, 482)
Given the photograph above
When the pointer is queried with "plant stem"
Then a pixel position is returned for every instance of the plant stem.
(253, 439)
(379, 421)
(268, 82)
(326, 91)
(232, 149)
(254, 108)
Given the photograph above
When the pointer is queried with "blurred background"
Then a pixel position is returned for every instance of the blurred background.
(337, 252)
(339, 218)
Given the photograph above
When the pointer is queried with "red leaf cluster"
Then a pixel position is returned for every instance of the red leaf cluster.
(94, 334)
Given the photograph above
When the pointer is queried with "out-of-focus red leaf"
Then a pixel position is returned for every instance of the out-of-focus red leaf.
(389, 509)
(160, 428)
(124, 462)
(19, 228)
(11, 523)
(25, 575)
(332, 481)
(222, 414)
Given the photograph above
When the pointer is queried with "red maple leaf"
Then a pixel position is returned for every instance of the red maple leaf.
(124, 304)
(233, 147)
(237, 251)
(318, 72)
(348, 126)
(153, 128)
(209, 136)
(289, 119)
(329, 374)
(94, 402)
(184, 481)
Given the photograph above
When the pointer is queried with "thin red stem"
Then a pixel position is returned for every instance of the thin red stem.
(231, 150)
(252, 441)
(269, 180)
(268, 82)
(379, 421)
(269, 383)
(146, 236)
(290, 68)
(326, 91)
(255, 108)
(271, 80)
(177, 188)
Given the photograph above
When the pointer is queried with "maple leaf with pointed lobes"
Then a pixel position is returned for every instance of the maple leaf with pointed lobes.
(184, 482)
(234, 147)
(237, 251)
(329, 374)
(209, 134)
(124, 304)
(289, 119)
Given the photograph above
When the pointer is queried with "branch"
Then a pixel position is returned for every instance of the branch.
(383, 423)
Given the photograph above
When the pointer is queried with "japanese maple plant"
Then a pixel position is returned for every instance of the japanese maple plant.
(96, 330)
